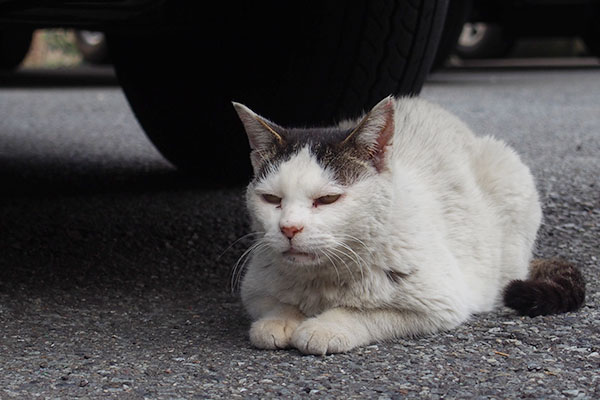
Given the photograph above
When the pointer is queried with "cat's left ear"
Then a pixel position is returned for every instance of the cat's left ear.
(375, 131)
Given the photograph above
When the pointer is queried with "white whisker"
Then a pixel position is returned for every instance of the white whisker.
(360, 262)
(358, 241)
(322, 251)
(237, 241)
(236, 274)
(335, 252)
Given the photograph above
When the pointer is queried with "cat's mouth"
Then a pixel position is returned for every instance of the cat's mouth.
(296, 255)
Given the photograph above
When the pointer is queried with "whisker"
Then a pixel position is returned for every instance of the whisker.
(240, 264)
(236, 279)
(360, 262)
(333, 264)
(237, 241)
(333, 252)
(358, 241)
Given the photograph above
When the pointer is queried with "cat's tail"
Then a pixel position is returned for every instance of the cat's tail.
(554, 286)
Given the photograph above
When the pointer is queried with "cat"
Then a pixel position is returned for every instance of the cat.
(399, 224)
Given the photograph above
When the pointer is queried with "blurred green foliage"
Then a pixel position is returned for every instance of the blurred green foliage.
(60, 40)
(53, 48)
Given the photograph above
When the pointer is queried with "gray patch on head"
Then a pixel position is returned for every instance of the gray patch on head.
(346, 160)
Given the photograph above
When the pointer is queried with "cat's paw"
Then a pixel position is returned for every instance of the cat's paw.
(320, 337)
(269, 333)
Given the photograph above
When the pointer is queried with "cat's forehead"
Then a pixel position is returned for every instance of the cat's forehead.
(324, 147)
(301, 173)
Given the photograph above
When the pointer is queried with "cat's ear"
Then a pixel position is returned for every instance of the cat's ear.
(262, 134)
(374, 132)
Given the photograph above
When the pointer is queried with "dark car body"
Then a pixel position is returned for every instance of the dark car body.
(91, 14)
(538, 17)
(181, 63)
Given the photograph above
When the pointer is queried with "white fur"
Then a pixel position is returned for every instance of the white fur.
(454, 215)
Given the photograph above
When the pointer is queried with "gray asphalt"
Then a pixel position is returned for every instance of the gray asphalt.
(114, 269)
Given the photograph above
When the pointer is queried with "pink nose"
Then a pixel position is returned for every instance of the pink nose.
(291, 231)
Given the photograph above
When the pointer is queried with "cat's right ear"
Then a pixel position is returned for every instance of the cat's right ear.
(262, 133)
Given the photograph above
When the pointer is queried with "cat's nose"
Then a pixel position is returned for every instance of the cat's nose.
(291, 231)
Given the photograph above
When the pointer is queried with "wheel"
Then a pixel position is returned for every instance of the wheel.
(14, 46)
(92, 46)
(479, 40)
(297, 64)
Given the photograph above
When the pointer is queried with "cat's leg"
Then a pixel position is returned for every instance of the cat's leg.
(341, 329)
(275, 323)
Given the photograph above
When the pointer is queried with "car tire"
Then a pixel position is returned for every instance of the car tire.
(14, 45)
(293, 63)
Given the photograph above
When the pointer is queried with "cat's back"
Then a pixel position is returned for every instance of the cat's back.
(426, 132)
(433, 150)
(436, 142)
(476, 190)
(445, 152)
(432, 161)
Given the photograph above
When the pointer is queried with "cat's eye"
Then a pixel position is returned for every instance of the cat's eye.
(272, 199)
(329, 199)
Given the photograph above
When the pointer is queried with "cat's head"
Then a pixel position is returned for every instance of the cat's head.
(313, 187)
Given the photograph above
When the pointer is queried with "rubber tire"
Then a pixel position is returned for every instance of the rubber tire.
(14, 45)
(296, 64)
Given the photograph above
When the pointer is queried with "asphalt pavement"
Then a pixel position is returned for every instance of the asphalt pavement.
(115, 269)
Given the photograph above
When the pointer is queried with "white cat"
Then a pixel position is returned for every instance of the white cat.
(401, 224)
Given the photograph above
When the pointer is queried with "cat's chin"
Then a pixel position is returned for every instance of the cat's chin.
(297, 257)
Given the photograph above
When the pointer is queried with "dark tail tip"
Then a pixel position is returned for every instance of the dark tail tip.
(555, 287)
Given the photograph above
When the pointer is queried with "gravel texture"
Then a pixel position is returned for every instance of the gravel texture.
(114, 269)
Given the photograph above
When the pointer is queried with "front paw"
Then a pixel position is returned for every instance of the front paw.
(319, 337)
(269, 333)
